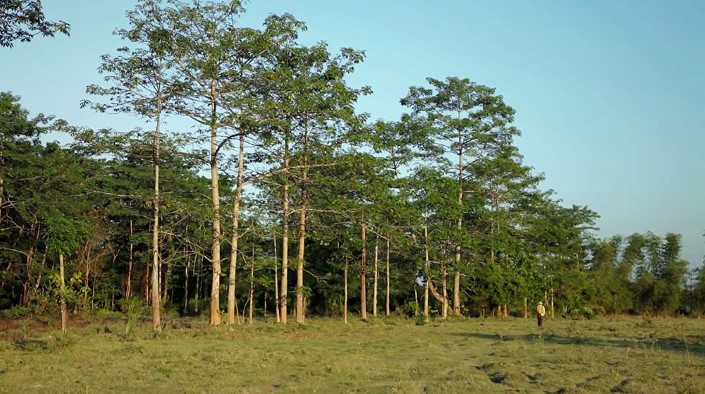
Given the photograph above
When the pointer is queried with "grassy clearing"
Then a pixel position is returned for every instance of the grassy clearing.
(635, 355)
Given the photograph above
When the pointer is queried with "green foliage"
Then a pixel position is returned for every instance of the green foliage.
(584, 312)
(446, 179)
(17, 312)
(24, 19)
(420, 319)
(133, 314)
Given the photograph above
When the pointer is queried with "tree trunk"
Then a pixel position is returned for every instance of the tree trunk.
(388, 287)
(215, 195)
(232, 275)
(300, 267)
(427, 268)
(156, 307)
(345, 292)
(276, 279)
(28, 280)
(197, 275)
(87, 261)
(526, 308)
(444, 275)
(251, 294)
(130, 264)
(285, 236)
(376, 280)
(165, 275)
(363, 274)
(188, 264)
(456, 278)
(457, 311)
(302, 237)
(62, 283)
(147, 279)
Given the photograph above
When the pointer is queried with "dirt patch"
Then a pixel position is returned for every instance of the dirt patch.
(13, 330)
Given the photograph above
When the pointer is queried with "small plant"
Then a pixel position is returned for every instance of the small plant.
(421, 319)
(134, 311)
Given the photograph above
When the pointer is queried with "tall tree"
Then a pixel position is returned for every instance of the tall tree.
(20, 180)
(63, 238)
(309, 108)
(139, 85)
(470, 122)
(202, 40)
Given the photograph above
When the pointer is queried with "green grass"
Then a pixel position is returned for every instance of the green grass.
(623, 354)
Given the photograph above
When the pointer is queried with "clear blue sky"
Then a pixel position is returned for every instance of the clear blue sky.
(609, 94)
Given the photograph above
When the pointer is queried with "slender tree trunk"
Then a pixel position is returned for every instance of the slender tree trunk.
(456, 277)
(87, 260)
(251, 294)
(300, 266)
(363, 273)
(345, 292)
(376, 280)
(427, 267)
(188, 265)
(300, 258)
(388, 310)
(285, 236)
(147, 279)
(442, 298)
(215, 195)
(444, 275)
(416, 300)
(130, 264)
(232, 276)
(156, 307)
(28, 280)
(165, 275)
(197, 275)
(276, 279)
(62, 282)
(526, 308)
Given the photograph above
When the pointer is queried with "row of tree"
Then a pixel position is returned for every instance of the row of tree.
(435, 211)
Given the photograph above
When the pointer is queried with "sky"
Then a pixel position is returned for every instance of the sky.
(609, 94)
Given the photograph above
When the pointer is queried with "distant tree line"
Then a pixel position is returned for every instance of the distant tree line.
(433, 214)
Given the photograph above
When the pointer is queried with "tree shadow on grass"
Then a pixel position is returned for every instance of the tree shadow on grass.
(549, 337)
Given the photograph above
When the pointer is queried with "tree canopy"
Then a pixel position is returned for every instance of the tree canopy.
(435, 211)
(22, 20)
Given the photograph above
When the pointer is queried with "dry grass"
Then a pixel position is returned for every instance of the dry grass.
(382, 356)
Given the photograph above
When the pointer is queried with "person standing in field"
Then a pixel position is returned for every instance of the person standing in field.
(540, 313)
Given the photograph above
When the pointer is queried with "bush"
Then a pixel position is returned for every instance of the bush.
(108, 314)
(16, 312)
(134, 311)
(408, 310)
(584, 312)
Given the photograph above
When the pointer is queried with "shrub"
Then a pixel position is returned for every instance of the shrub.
(17, 312)
(134, 311)
(584, 312)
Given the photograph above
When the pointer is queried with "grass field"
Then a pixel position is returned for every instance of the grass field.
(618, 354)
